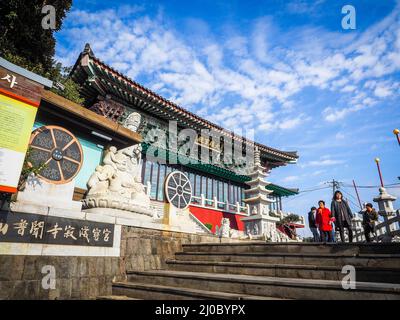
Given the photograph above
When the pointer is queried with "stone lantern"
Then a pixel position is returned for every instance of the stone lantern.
(386, 210)
(385, 202)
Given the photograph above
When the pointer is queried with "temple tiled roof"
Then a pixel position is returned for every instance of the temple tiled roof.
(97, 78)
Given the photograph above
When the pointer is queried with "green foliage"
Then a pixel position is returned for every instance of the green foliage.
(21, 31)
(28, 168)
(71, 88)
(290, 218)
(24, 63)
(25, 43)
(57, 74)
(208, 225)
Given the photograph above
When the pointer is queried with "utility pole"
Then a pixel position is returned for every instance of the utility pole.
(358, 196)
(396, 133)
(335, 186)
(377, 160)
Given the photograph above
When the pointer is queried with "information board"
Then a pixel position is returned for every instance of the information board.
(16, 122)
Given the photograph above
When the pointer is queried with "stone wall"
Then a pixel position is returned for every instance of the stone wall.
(76, 277)
(146, 249)
(89, 277)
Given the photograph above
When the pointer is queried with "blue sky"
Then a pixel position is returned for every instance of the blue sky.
(286, 69)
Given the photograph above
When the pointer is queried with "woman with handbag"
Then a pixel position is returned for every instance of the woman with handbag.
(341, 211)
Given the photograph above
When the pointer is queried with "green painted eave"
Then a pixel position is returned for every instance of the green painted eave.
(189, 162)
(281, 191)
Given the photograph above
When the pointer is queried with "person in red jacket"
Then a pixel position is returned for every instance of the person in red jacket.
(324, 222)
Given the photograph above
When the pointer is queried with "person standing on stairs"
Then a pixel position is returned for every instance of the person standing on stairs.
(312, 215)
(324, 222)
(370, 216)
(341, 211)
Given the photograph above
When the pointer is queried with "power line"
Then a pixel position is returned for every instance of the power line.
(353, 204)
(335, 185)
(349, 194)
(392, 185)
(315, 189)
(305, 192)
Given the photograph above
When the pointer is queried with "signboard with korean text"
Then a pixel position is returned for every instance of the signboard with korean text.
(19, 100)
(32, 228)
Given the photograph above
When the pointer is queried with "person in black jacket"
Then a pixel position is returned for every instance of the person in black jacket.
(341, 211)
(369, 218)
(311, 223)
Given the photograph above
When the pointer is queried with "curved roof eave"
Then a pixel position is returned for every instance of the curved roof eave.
(285, 156)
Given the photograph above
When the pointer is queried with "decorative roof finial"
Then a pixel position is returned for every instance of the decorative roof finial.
(88, 49)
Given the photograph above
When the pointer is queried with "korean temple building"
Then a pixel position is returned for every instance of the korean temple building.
(218, 191)
(119, 113)
(113, 212)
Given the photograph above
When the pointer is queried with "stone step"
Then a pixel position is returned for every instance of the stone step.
(290, 288)
(161, 292)
(364, 274)
(295, 247)
(376, 260)
(115, 297)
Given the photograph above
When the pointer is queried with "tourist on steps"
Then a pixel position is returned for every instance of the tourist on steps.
(312, 215)
(370, 216)
(324, 222)
(341, 211)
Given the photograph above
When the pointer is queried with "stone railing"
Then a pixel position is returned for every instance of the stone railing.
(202, 227)
(281, 215)
(384, 231)
(387, 230)
(215, 204)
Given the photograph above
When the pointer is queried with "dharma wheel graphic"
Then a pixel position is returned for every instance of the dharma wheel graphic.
(178, 190)
(59, 151)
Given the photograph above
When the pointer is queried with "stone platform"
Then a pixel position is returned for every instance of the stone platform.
(269, 271)
(91, 277)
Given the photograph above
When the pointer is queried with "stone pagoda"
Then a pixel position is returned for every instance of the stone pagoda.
(259, 224)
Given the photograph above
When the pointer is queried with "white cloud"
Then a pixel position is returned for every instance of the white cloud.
(323, 162)
(246, 78)
(382, 92)
(304, 7)
(340, 136)
(290, 178)
(318, 172)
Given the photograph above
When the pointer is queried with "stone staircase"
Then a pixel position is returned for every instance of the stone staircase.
(187, 219)
(260, 270)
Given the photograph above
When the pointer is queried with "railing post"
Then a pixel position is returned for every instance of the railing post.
(215, 203)
(237, 207)
(203, 200)
(148, 189)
